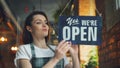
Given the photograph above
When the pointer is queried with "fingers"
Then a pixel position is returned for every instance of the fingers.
(63, 45)
(74, 46)
(74, 50)
(66, 47)
(62, 49)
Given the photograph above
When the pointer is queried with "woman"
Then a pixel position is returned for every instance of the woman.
(36, 53)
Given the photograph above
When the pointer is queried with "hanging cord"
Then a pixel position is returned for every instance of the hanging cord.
(100, 14)
(65, 7)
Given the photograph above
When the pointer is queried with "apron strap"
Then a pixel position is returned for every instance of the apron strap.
(32, 49)
(51, 48)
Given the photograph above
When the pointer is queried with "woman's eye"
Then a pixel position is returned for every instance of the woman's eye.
(38, 22)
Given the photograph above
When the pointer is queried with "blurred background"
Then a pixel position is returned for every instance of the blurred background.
(14, 12)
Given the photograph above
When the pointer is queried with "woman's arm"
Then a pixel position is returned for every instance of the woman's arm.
(60, 52)
(74, 54)
(75, 59)
(75, 62)
(51, 63)
(23, 63)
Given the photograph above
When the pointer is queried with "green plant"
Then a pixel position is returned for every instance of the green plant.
(93, 61)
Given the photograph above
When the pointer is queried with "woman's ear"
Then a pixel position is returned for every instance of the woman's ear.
(28, 28)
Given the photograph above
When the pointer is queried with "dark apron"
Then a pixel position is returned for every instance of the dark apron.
(40, 62)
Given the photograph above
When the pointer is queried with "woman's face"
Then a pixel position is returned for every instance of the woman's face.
(39, 26)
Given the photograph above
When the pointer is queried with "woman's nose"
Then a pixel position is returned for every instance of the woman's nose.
(44, 24)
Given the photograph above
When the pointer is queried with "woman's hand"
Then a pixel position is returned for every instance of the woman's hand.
(74, 54)
(61, 50)
(74, 50)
